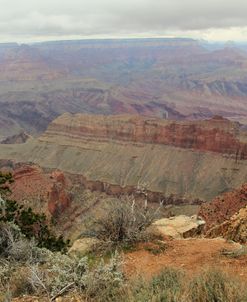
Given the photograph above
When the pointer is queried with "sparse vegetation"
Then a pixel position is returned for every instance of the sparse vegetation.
(123, 224)
(27, 267)
(213, 285)
(156, 247)
(167, 286)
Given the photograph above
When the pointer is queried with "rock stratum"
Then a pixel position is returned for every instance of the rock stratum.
(186, 159)
(217, 134)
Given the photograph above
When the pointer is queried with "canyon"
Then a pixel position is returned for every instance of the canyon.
(190, 160)
(108, 116)
(88, 125)
(181, 79)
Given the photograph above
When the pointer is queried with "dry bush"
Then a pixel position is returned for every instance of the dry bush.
(124, 223)
(59, 274)
(6, 271)
(19, 282)
(242, 251)
(15, 247)
(62, 274)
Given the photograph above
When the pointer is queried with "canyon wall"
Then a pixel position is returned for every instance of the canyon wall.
(217, 134)
(189, 160)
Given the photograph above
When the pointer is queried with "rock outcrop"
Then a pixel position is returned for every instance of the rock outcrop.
(234, 228)
(83, 246)
(215, 135)
(222, 208)
(58, 197)
(45, 191)
(178, 227)
(20, 138)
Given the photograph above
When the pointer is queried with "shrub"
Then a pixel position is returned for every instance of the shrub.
(13, 244)
(124, 223)
(167, 287)
(215, 286)
(6, 270)
(104, 282)
(5, 180)
(31, 224)
(19, 282)
(62, 273)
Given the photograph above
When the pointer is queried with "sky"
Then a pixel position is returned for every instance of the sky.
(40, 20)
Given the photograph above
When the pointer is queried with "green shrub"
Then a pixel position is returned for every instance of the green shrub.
(5, 180)
(32, 225)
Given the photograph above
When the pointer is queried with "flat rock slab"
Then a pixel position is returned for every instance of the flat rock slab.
(178, 227)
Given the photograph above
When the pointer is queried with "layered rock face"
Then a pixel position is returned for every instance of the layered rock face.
(216, 135)
(185, 159)
(222, 208)
(234, 228)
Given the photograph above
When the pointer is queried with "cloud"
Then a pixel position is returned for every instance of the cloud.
(43, 19)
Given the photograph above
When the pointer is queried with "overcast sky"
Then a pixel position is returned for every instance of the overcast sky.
(36, 20)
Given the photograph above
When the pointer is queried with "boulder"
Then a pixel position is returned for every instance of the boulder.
(178, 227)
(83, 246)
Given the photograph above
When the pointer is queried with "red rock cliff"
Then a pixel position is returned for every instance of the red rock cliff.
(216, 135)
(222, 208)
(46, 191)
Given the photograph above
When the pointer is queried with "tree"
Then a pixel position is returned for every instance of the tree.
(5, 180)
(31, 224)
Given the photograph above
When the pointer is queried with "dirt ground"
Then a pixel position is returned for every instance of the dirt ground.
(191, 255)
